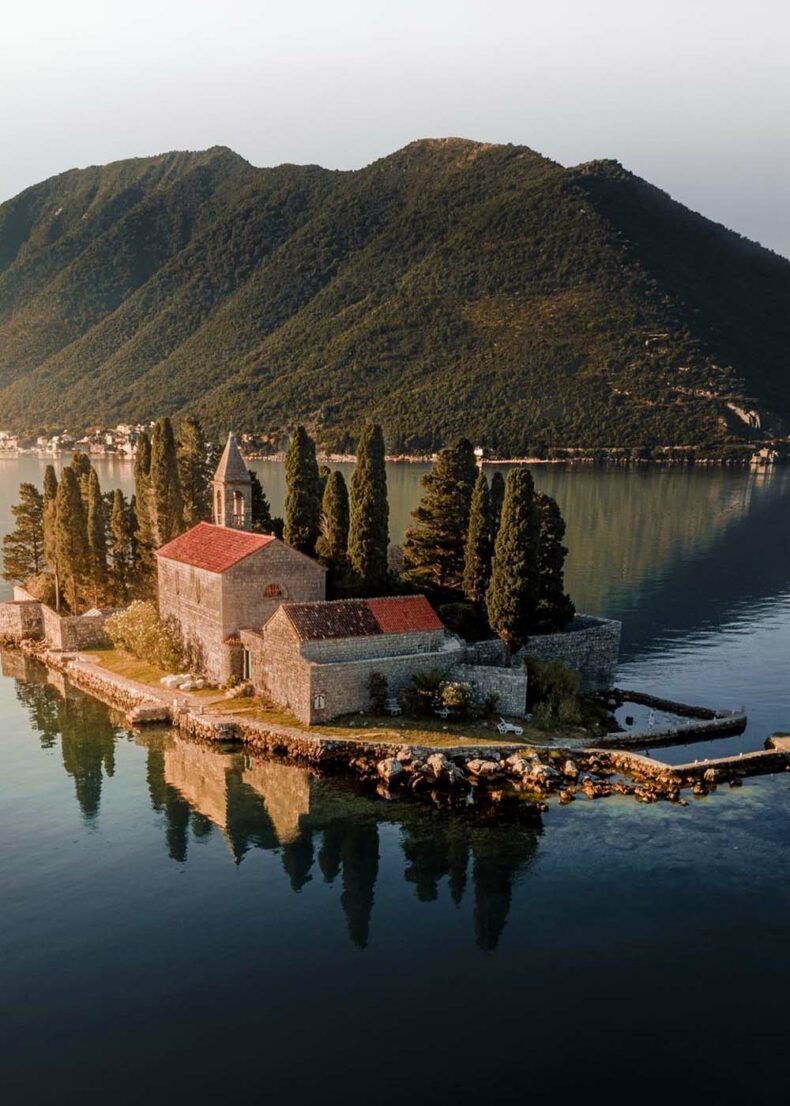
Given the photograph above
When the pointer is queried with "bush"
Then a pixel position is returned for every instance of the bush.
(140, 631)
(459, 698)
(554, 693)
(424, 695)
(378, 689)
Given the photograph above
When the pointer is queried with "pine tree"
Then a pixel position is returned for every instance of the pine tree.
(23, 548)
(556, 609)
(433, 553)
(514, 591)
(477, 558)
(332, 546)
(165, 485)
(262, 522)
(368, 529)
(302, 502)
(145, 542)
(120, 547)
(497, 497)
(194, 472)
(50, 494)
(97, 538)
(71, 537)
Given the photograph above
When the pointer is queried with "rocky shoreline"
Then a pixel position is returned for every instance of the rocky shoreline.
(481, 776)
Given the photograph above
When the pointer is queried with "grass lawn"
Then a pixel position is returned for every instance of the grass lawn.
(124, 664)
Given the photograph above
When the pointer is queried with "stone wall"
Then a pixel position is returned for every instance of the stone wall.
(591, 646)
(21, 619)
(296, 579)
(340, 650)
(278, 667)
(508, 684)
(490, 652)
(74, 632)
(343, 688)
(192, 597)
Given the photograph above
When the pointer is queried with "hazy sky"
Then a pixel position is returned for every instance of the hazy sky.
(692, 94)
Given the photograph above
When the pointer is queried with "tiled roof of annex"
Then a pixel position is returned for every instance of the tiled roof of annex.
(340, 618)
(213, 548)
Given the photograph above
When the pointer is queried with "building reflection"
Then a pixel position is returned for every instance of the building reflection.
(320, 829)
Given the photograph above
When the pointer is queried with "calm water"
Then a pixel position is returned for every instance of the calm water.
(194, 925)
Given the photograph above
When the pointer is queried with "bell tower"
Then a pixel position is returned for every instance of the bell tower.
(232, 489)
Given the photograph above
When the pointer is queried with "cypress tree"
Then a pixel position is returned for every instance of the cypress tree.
(477, 558)
(302, 502)
(71, 538)
(194, 471)
(556, 609)
(262, 522)
(145, 542)
(165, 485)
(81, 464)
(97, 538)
(433, 553)
(23, 548)
(332, 546)
(120, 546)
(497, 497)
(514, 591)
(368, 529)
(50, 493)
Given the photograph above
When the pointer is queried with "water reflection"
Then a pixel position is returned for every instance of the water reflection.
(319, 828)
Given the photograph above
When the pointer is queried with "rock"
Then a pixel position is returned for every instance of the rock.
(566, 796)
(699, 788)
(479, 767)
(711, 775)
(148, 712)
(437, 764)
(736, 781)
(404, 754)
(570, 769)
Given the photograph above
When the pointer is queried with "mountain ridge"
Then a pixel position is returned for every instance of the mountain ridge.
(450, 287)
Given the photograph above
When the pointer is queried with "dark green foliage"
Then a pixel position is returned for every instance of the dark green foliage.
(423, 696)
(497, 499)
(71, 538)
(479, 544)
(262, 522)
(144, 537)
(332, 545)
(81, 463)
(450, 288)
(465, 619)
(554, 694)
(50, 493)
(378, 688)
(121, 548)
(556, 609)
(368, 531)
(97, 538)
(302, 503)
(23, 548)
(514, 591)
(194, 472)
(433, 553)
(165, 498)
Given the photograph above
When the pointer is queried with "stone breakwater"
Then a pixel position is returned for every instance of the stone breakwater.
(486, 774)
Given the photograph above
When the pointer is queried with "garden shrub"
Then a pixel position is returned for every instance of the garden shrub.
(140, 631)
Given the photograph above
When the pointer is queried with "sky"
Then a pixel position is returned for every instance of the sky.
(693, 95)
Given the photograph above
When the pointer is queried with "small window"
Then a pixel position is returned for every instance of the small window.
(272, 591)
(319, 701)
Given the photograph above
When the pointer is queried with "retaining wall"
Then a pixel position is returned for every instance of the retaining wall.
(591, 646)
(75, 632)
(21, 619)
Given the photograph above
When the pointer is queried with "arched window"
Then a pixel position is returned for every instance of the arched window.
(273, 591)
(219, 506)
(238, 508)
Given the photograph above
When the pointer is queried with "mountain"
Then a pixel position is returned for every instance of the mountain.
(452, 287)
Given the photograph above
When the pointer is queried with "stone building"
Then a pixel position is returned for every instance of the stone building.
(215, 581)
(316, 659)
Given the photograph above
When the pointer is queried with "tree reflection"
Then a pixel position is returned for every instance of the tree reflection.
(314, 825)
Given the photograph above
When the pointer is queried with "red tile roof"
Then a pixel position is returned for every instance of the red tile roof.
(213, 548)
(362, 617)
(404, 614)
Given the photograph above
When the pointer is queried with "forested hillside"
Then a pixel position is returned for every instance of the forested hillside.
(452, 287)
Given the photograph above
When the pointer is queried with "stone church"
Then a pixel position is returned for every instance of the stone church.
(248, 605)
(217, 579)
